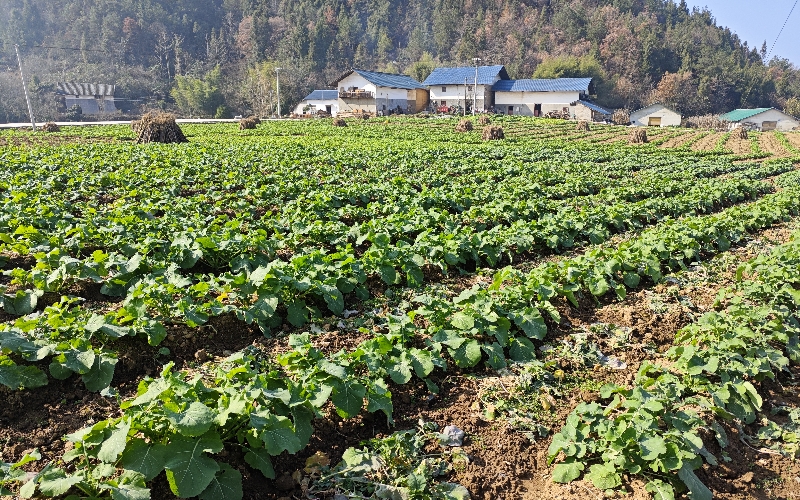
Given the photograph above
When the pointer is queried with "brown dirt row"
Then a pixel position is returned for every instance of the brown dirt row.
(769, 143)
(793, 138)
(707, 143)
(738, 146)
(678, 141)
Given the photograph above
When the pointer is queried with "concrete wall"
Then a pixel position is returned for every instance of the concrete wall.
(454, 95)
(523, 103)
(669, 118)
(318, 105)
(784, 122)
(90, 105)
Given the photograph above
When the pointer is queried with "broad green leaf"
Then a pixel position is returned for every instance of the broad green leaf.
(333, 298)
(101, 374)
(348, 397)
(400, 371)
(388, 274)
(130, 486)
(189, 469)
(114, 445)
(414, 277)
(651, 448)
(20, 377)
(78, 361)
(660, 490)
(462, 321)
(697, 490)
(277, 433)
(146, 459)
(567, 472)
(297, 313)
(260, 460)
(422, 361)
(226, 485)
(22, 302)
(56, 482)
(531, 322)
(496, 357)
(194, 421)
(604, 476)
(468, 354)
(522, 350)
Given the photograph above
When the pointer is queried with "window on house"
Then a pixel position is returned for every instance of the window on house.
(469, 88)
(444, 89)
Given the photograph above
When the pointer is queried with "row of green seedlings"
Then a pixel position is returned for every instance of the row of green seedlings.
(179, 422)
(72, 337)
(791, 148)
(708, 381)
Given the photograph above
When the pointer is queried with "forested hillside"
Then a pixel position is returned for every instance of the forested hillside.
(217, 57)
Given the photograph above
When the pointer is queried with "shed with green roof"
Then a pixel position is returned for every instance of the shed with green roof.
(761, 119)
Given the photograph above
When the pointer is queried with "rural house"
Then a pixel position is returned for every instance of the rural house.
(656, 115)
(379, 93)
(94, 99)
(541, 96)
(319, 100)
(763, 119)
(460, 87)
(589, 111)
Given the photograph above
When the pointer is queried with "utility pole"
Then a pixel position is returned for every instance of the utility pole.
(476, 60)
(278, 85)
(25, 89)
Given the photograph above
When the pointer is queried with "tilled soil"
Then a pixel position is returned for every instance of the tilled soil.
(707, 143)
(772, 145)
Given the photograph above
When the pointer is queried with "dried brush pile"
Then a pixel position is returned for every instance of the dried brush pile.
(249, 123)
(464, 126)
(339, 122)
(51, 127)
(158, 127)
(708, 122)
(484, 120)
(621, 117)
(740, 133)
(637, 136)
(492, 133)
(582, 126)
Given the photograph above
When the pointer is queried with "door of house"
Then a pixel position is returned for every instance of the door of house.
(654, 121)
(537, 110)
(511, 110)
(328, 109)
(768, 126)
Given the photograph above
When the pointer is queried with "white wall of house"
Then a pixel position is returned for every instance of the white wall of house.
(523, 103)
(357, 81)
(775, 120)
(453, 95)
(318, 105)
(647, 117)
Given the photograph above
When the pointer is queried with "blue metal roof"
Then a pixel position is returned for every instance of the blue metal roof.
(541, 85)
(457, 76)
(389, 80)
(595, 107)
(322, 95)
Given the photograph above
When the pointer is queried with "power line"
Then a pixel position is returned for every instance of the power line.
(781, 31)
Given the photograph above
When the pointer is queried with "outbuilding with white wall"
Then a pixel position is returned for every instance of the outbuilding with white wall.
(656, 115)
(319, 100)
(540, 96)
(762, 119)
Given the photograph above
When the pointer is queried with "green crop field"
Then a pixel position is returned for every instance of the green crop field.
(396, 310)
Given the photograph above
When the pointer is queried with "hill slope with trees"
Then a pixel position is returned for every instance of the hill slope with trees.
(217, 57)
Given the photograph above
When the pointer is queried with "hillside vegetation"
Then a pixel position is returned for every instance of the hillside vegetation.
(218, 56)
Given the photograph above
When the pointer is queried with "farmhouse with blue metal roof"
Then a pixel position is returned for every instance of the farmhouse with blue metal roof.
(326, 101)
(464, 87)
(361, 91)
(559, 97)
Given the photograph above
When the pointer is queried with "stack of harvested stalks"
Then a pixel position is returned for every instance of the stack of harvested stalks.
(638, 136)
(249, 123)
(582, 126)
(621, 117)
(740, 133)
(708, 122)
(484, 120)
(464, 126)
(339, 122)
(51, 127)
(158, 127)
(492, 133)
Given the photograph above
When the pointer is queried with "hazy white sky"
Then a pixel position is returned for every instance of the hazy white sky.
(757, 21)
